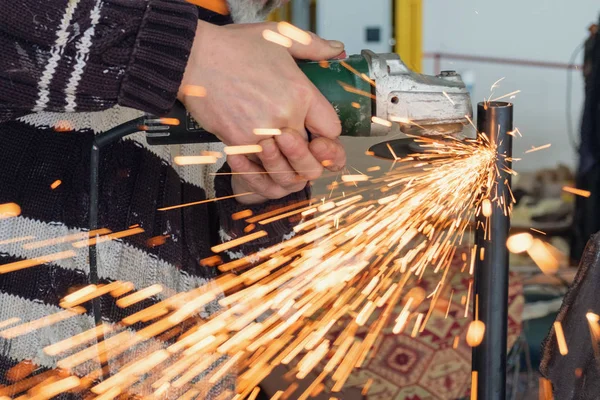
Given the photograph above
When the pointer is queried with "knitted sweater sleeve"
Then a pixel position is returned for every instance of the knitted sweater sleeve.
(88, 55)
(276, 232)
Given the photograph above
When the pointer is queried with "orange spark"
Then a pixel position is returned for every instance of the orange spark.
(9, 210)
(560, 338)
(486, 207)
(211, 261)
(53, 389)
(157, 241)
(475, 333)
(519, 242)
(545, 389)
(543, 257)
(511, 94)
(366, 387)
(106, 238)
(539, 148)
(241, 215)
(64, 239)
(63, 125)
(139, 295)
(294, 33)
(237, 242)
(55, 184)
(247, 149)
(578, 192)
(194, 160)
(87, 293)
(381, 121)
(195, 203)
(351, 89)
(216, 154)
(495, 84)
(17, 239)
(10, 321)
(266, 132)
(169, 121)
(355, 178)
(194, 91)
(473, 385)
(40, 323)
(448, 97)
(277, 38)
(77, 340)
(32, 262)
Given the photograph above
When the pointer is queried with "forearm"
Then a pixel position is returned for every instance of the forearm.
(88, 55)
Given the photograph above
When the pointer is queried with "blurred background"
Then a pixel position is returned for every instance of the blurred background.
(535, 52)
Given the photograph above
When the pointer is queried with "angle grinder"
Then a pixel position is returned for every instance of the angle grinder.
(373, 94)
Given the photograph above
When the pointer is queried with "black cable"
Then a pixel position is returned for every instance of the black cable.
(99, 142)
(569, 97)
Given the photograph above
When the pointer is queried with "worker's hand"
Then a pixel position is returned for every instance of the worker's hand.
(292, 162)
(253, 83)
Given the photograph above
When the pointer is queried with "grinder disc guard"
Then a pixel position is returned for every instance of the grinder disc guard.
(400, 147)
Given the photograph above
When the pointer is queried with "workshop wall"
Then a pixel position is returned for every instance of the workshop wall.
(540, 30)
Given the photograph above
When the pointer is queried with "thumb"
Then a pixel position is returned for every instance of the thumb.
(318, 49)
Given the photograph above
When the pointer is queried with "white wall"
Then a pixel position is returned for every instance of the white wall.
(347, 20)
(543, 30)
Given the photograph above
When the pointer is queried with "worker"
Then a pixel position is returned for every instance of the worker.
(71, 69)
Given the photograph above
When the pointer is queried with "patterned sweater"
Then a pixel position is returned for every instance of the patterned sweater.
(71, 69)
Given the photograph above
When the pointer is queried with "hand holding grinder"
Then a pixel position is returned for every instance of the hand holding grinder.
(359, 88)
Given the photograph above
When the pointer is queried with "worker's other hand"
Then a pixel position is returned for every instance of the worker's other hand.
(291, 162)
(252, 83)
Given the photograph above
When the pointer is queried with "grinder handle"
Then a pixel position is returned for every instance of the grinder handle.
(187, 131)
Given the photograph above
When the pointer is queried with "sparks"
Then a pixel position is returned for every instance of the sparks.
(247, 149)
(448, 97)
(538, 148)
(266, 132)
(194, 160)
(578, 192)
(560, 338)
(283, 302)
(277, 38)
(294, 33)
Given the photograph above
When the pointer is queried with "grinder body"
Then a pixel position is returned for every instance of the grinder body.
(359, 88)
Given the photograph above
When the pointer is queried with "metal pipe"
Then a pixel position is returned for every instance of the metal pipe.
(495, 119)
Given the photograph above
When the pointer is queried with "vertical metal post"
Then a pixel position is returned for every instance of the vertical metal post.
(495, 119)
(301, 14)
(93, 253)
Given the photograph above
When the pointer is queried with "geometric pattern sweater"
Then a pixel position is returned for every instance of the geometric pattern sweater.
(97, 64)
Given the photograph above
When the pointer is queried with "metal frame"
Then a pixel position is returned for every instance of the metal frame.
(495, 119)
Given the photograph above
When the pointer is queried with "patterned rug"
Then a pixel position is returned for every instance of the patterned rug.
(436, 363)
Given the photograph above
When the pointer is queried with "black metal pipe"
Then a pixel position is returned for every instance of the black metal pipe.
(495, 119)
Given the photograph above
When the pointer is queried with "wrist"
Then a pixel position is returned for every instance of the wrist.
(204, 33)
